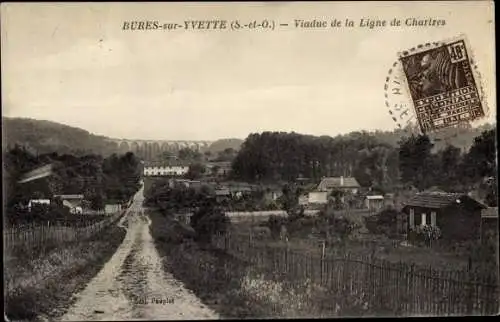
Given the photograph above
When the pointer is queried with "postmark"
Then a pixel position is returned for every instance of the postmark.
(441, 85)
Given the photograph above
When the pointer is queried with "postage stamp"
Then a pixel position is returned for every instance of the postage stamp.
(442, 85)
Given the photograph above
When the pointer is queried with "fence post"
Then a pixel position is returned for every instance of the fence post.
(286, 256)
(322, 263)
(469, 287)
(411, 289)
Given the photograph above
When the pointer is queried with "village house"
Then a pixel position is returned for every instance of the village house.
(165, 169)
(347, 184)
(457, 215)
(317, 197)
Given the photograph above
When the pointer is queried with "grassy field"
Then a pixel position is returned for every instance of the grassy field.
(39, 285)
(231, 287)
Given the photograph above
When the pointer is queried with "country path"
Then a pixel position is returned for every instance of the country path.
(133, 285)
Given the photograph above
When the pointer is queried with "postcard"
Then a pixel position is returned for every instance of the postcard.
(234, 160)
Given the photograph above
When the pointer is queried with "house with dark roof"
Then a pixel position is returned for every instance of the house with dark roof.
(347, 184)
(457, 215)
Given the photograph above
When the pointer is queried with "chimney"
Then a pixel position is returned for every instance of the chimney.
(341, 180)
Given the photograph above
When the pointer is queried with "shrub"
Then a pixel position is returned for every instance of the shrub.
(426, 234)
(209, 220)
(274, 223)
(384, 223)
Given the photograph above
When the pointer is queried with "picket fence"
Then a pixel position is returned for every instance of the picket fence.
(393, 288)
(33, 236)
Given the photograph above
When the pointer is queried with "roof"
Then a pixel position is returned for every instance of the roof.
(490, 212)
(240, 189)
(338, 182)
(375, 197)
(438, 200)
(69, 196)
(165, 166)
(166, 163)
(219, 164)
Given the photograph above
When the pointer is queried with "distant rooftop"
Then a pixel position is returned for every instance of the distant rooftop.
(69, 196)
(172, 163)
(338, 182)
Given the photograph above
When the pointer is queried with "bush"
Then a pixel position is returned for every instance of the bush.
(384, 223)
(207, 221)
(274, 223)
(425, 234)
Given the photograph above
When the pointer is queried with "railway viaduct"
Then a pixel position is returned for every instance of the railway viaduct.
(151, 149)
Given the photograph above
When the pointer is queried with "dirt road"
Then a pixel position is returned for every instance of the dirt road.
(133, 285)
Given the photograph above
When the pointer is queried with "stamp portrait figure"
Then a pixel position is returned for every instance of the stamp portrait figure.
(442, 86)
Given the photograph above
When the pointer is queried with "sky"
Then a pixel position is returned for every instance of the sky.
(73, 64)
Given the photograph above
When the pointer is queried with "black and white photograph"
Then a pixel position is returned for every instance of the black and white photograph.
(249, 160)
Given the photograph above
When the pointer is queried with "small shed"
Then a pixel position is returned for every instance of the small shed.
(457, 215)
(374, 202)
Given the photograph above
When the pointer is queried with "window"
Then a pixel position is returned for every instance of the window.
(412, 218)
(433, 219)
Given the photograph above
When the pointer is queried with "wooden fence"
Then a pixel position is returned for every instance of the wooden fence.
(33, 236)
(394, 288)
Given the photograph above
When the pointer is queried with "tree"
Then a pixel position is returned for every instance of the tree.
(275, 223)
(189, 155)
(290, 201)
(208, 221)
(385, 222)
(227, 155)
(196, 171)
(416, 163)
(337, 196)
(480, 161)
(449, 161)
(215, 170)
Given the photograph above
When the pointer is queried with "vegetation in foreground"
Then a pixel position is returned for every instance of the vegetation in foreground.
(214, 276)
(41, 286)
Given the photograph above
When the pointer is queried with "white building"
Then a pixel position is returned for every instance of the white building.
(38, 201)
(166, 170)
(318, 197)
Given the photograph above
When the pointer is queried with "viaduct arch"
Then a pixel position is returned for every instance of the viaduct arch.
(151, 149)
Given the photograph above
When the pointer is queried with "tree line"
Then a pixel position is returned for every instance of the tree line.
(100, 180)
(276, 156)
